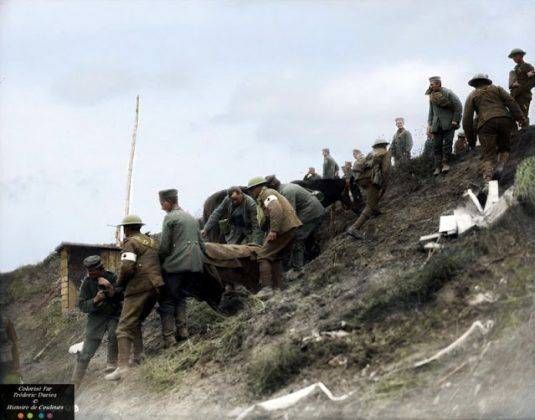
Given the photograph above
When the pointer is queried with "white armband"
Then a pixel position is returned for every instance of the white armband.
(269, 199)
(128, 256)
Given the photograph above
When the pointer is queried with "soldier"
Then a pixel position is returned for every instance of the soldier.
(330, 167)
(140, 277)
(347, 169)
(521, 81)
(181, 259)
(9, 353)
(461, 145)
(237, 219)
(278, 216)
(102, 302)
(309, 211)
(401, 146)
(374, 178)
(311, 175)
(494, 124)
(445, 111)
(357, 164)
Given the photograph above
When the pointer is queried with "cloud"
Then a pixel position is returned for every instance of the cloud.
(354, 106)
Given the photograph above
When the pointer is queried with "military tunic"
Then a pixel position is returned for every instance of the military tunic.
(494, 107)
(242, 219)
(401, 146)
(522, 93)
(311, 177)
(310, 212)
(181, 259)
(278, 214)
(140, 276)
(374, 178)
(330, 167)
(444, 109)
(101, 317)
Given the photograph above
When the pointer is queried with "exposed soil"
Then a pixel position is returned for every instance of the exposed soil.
(396, 303)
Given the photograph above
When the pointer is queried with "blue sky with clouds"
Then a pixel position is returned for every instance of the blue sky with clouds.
(229, 90)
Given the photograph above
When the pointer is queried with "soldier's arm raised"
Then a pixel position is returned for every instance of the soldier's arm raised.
(85, 300)
(216, 215)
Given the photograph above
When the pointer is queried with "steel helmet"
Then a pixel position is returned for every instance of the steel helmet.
(256, 181)
(516, 51)
(131, 219)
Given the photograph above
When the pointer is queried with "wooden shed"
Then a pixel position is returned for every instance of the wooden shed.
(72, 269)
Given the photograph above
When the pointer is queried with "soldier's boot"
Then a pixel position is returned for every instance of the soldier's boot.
(137, 352)
(79, 372)
(354, 230)
(298, 255)
(181, 332)
(445, 168)
(168, 330)
(276, 275)
(437, 171)
(266, 279)
(502, 160)
(125, 349)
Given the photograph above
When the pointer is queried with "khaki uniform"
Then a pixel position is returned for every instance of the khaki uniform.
(275, 212)
(140, 276)
(494, 107)
(374, 178)
(522, 93)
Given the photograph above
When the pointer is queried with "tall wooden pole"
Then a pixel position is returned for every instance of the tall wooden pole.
(118, 238)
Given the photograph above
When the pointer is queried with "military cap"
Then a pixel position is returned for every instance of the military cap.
(477, 77)
(435, 79)
(516, 51)
(256, 182)
(131, 219)
(400, 119)
(168, 194)
(379, 142)
(92, 261)
(461, 134)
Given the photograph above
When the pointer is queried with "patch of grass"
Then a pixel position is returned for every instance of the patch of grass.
(413, 286)
(21, 291)
(275, 368)
(55, 321)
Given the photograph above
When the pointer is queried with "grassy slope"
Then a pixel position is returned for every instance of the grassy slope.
(396, 306)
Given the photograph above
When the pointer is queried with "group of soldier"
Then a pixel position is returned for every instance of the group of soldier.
(276, 218)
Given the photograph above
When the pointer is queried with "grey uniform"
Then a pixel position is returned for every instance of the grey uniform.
(330, 167)
(242, 220)
(444, 108)
(401, 146)
(310, 211)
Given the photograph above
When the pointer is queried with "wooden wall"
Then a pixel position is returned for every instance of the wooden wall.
(72, 271)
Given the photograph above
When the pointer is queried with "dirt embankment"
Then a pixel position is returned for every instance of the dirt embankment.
(389, 304)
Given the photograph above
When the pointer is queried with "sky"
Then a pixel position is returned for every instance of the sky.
(229, 90)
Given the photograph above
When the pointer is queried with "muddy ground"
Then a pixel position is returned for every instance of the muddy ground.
(385, 304)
